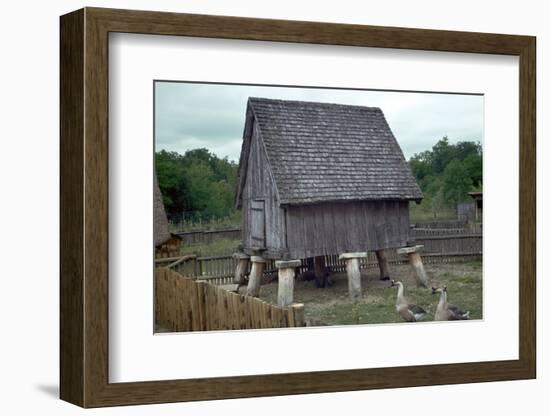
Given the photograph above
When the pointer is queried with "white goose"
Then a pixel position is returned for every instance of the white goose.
(446, 311)
(408, 311)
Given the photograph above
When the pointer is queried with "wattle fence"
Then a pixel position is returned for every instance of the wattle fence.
(183, 304)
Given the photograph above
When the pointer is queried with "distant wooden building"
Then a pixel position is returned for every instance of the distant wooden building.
(166, 243)
(478, 201)
(465, 211)
(319, 179)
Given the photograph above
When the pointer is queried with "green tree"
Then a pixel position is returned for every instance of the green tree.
(198, 176)
(456, 182)
(473, 163)
(171, 179)
(442, 154)
(197, 182)
(421, 164)
(464, 149)
(446, 172)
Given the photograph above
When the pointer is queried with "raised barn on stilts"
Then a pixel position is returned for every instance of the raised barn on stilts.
(320, 179)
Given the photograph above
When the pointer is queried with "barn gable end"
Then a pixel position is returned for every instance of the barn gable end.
(263, 218)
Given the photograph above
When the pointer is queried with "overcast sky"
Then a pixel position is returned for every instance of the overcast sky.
(189, 116)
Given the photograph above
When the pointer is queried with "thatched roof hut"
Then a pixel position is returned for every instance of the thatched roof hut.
(319, 178)
(160, 221)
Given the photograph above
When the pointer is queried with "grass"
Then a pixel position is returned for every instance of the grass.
(332, 306)
(231, 221)
(423, 213)
(218, 247)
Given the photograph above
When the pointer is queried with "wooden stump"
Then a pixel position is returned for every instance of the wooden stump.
(383, 265)
(354, 273)
(256, 273)
(285, 294)
(243, 261)
(415, 261)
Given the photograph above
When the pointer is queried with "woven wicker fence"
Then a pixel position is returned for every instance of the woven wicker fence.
(183, 304)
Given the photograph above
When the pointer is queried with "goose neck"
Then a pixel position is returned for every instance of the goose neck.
(400, 290)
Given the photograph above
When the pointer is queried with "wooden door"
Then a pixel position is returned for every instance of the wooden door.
(257, 226)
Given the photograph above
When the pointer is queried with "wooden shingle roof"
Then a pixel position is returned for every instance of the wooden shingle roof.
(321, 152)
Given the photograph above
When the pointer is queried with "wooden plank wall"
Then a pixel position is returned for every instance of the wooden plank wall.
(314, 230)
(183, 304)
(466, 211)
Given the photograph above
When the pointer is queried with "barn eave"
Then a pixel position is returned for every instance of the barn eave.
(286, 202)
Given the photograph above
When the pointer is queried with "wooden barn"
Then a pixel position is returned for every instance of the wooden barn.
(318, 179)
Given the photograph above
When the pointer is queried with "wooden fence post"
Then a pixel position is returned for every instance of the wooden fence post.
(256, 273)
(201, 303)
(285, 295)
(298, 313)
(416, 263)
(354, 273)
(159, 291)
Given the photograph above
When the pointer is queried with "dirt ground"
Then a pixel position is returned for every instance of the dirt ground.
(332, 306)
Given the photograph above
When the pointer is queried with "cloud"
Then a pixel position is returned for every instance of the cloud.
(190, 115)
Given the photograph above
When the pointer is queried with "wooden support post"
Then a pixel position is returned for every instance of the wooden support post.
(416, 263)
(418, 266)
(309, 264)
(354, 278)
(383, 265)
(285, 294)
(256, 273)
(321, 274)
(243, 262)
(354, 273)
